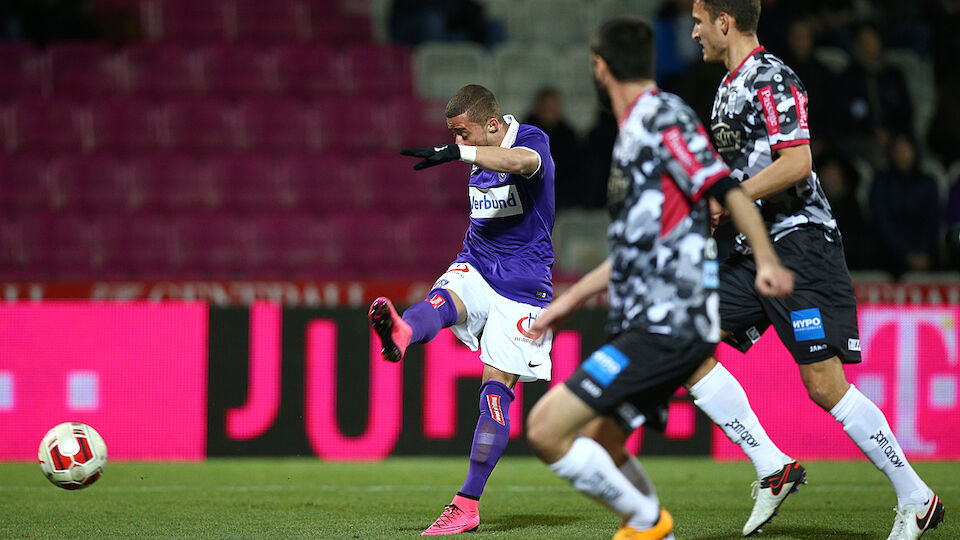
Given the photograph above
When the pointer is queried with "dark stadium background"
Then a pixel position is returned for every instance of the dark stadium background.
(229, 152)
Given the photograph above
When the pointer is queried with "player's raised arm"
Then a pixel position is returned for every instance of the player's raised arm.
(522, 161)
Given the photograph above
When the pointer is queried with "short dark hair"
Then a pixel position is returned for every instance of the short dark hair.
(476, 101)
(745, 12)
(627, 45)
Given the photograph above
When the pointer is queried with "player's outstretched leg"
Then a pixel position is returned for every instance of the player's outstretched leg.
(718, 394)
(489, 441)
(419, 324)
(918, 509)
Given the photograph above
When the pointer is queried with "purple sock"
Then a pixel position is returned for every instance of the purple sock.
(427, 317)
(490, 437)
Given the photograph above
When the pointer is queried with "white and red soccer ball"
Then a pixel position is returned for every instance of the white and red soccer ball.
(72, 455)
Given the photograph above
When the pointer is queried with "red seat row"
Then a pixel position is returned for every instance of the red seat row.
(224, 245)
(223, 69)
(322, 183)
(211, 124)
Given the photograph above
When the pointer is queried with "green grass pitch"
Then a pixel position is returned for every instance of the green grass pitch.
(306, 498)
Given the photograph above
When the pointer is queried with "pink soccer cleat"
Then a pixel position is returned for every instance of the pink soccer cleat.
(394, 332)
(453, 520)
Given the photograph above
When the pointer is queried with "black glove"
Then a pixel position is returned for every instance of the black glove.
(433, 156)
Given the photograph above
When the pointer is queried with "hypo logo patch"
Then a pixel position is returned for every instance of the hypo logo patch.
(526, 322)
(605, 364)
(807, 324)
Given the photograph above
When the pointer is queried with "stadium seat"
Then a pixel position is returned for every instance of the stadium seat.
(48, 125)
(217, 244)
(327, 183)
(98, 183)
(22, 70)
(341, 30)
(276, 21)
(27, 185)
(21, 246)
(126, 124)
(202, 124)
(422, 122)
(436, 239)
(380, 69)
(150, 246)
(395, 184)
(554, 23)
(188, 21)
(312, 70)
(281, 125)
(234, 70)
(161, 69)
(174, 182)
(443, 68)
(86, 69)
(251, 182)
(76, 245)
(358, 123)
(520, 72)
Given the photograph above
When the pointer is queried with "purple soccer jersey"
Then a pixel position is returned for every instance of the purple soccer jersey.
(511, 219)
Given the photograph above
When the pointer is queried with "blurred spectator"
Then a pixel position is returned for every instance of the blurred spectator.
(547, 114)
(675, 50)
(817, 78)
(840, 182)
(419, 21)
(873, 99)
(953, 225)
(904, 209)
(599, 148)
(944, 134)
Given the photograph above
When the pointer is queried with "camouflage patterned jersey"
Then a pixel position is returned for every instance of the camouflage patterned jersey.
(761, 106)
(664, 275)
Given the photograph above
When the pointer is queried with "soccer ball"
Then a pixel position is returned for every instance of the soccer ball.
(72, 455)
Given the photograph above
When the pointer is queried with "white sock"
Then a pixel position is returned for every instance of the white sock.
(591, 471)
(721, 397)
(867, 427)
(637, 476)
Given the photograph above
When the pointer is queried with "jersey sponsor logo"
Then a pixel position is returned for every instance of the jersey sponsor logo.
(437, 301)
(725, 138)
(769, 109)
(495, 202)
(673, 140)
(493, 402)
(617, 186)
(801, 103)
(711, 274)
(853, 345)
(605, 364)
(807, 324)
(818, 348)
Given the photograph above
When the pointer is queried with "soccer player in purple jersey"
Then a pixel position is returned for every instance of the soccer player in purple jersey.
(661, 274)
(759, 125)
(498, 284)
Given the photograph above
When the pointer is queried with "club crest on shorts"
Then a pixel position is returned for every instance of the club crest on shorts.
(522, 326)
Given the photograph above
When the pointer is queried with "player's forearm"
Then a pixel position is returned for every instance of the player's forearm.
(508, 160)
(594, 282)
(793, 166)
(747, 219)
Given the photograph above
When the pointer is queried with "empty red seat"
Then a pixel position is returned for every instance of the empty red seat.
(380, 69)
(150, 246)
(160, 69)
(48, 125)
(22, 70)
(174, 181)
(252, 182)
(86, 69)
(202, 124)
(282, 125)
(341, 29)
(125, 124)
(189, 21)
(272, 22)
(100, 183)
(312, 70)
(235, 70)
(28, 184)
(328, 182)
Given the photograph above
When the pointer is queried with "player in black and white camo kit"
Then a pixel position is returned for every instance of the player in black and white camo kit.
(759, 125)
(661, 275)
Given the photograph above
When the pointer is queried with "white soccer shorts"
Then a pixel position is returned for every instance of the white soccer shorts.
(496, 326)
